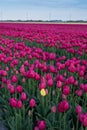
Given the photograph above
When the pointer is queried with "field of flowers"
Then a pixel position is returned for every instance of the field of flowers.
(43, 76)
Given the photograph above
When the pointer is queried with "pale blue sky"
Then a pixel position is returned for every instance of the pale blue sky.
(43, 9)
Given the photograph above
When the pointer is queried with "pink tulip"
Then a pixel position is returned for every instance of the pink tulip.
(41, 125)
(81, 73)
(82, 86)
(19, 89)
(83, 119)
(63, 106)
(85, 88)
(26, 63)
(71, 80)
(78, 109)
(4, 80)
(52, 69)
(23, 96)
(66, 90)
(4, 73)
(23, 80)
(42, 85)
(37, 76)
(79, 92)
(64, 96)
(52, 56)
(76, 83)
(36, 128)
(22, 69)
(19, 104)
(14, 78)
(59, 84)
(12, 89)
(32, 103)
(53, 109)
(50, 82)
(48, 76)
(13, 102)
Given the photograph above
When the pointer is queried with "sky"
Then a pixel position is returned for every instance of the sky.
(43, 9)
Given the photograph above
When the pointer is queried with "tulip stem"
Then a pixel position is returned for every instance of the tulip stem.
(24, 112)
(85, 128)
(49, 93)
(77, 124)
(29, 86)
(31, 120)
(64, 121)
(16, 118)
(82, 127)
(20, 118)
(43, 105)
(60, 115)
(53, 118)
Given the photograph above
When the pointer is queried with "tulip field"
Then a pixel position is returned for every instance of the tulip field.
(43, 76)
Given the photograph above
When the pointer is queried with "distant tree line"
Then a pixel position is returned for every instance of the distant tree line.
(56, 21)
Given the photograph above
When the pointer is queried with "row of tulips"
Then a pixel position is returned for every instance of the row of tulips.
(69, 38)
(42, 87)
